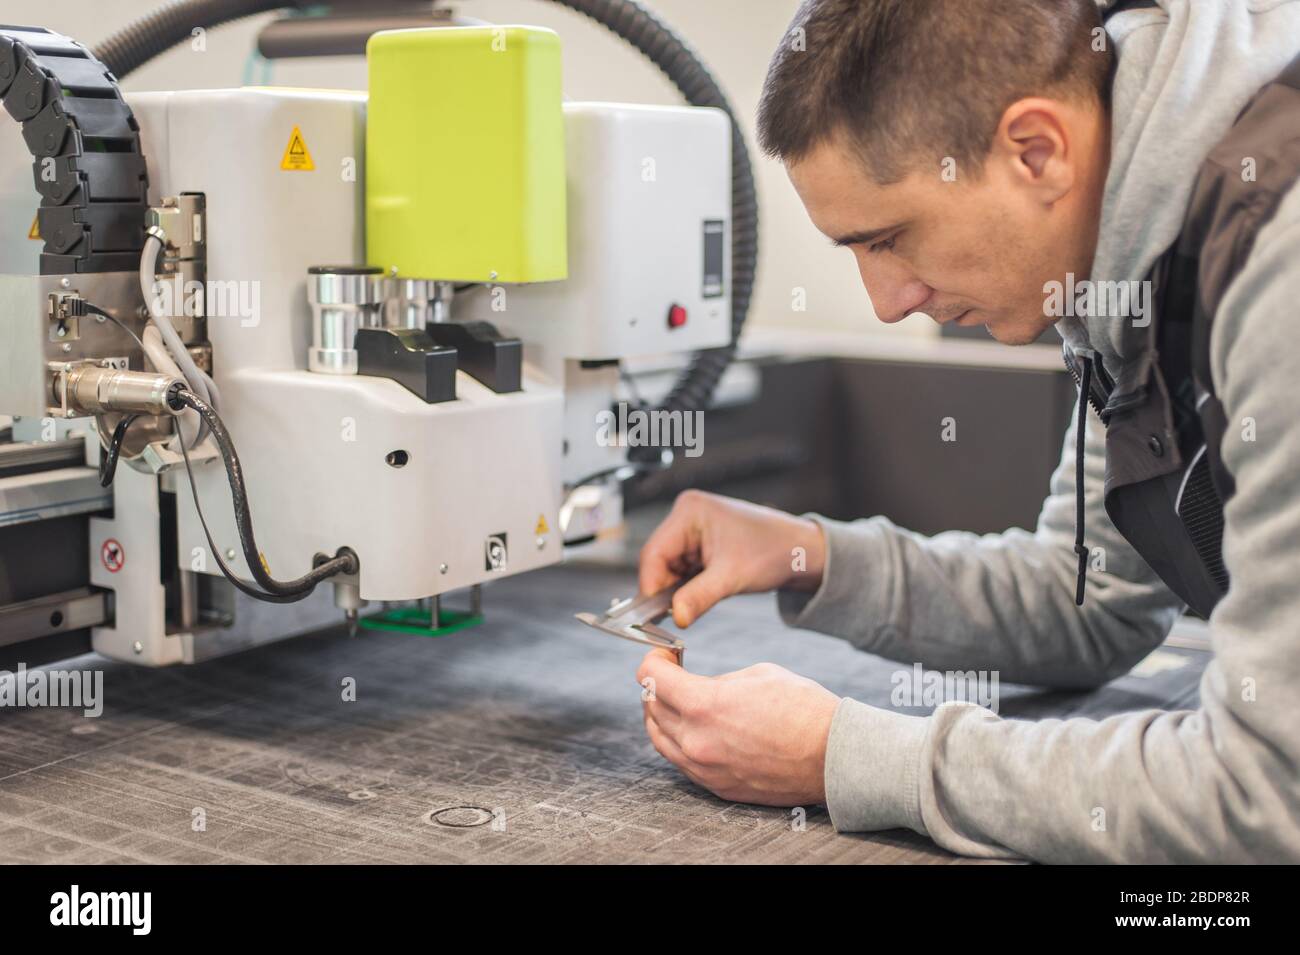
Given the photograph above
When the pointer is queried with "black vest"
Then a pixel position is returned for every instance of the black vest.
(1166, 483)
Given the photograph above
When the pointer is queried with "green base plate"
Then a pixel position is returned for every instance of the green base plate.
(415, 621)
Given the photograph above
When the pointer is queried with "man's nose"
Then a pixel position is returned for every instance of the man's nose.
(894, 291)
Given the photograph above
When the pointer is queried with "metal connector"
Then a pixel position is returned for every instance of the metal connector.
(64, 306)
(81, 388)
(65, 311)
(178, 222)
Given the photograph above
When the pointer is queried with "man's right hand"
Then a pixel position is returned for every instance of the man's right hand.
(735, 547)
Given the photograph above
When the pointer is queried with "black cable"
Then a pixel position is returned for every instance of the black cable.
(108, 469)
(630, 383)
(108, 463)
(229, 574)
(97, 311)
(625, 472)
(344, 561)
(173, 22)
(1081, 433)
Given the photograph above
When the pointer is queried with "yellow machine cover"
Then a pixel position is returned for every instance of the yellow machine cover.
(465, 154)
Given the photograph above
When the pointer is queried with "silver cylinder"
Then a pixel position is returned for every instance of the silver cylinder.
(347, 596)
(343, 299)
(92, 389)
(419, 302)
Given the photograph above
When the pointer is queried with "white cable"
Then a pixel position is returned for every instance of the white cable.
(199, 382)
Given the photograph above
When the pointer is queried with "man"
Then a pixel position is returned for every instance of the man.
(976, 156)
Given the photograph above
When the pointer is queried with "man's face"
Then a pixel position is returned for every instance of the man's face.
(974, 251)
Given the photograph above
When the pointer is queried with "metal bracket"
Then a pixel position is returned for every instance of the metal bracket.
(56, 613)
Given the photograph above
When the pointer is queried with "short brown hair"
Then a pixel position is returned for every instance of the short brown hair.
(914, 81)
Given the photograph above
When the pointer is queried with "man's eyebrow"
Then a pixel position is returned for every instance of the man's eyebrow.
(864, 238)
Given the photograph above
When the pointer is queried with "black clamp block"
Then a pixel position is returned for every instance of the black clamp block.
(484, 353)
(409, 357)
(30, 90)
(8, 64)
(48, 130)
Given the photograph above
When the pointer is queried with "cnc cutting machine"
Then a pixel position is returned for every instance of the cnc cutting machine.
(336, 350)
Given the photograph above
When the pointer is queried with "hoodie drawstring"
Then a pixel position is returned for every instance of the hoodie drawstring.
(1085, 390)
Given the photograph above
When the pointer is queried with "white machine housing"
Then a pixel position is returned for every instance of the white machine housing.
(649, 211)
(316, 447)
(424, 493)
(649, 228)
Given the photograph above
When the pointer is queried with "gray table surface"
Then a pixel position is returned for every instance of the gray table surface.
(531, 720)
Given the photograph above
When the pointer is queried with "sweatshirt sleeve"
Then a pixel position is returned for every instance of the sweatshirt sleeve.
(1000, 602)
(1220, 783)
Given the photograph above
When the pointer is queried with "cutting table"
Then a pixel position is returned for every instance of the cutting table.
(517, 741)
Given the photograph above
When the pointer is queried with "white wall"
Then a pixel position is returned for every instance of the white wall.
(735, 37)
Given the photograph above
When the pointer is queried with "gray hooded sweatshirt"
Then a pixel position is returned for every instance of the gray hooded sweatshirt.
(1217, 784)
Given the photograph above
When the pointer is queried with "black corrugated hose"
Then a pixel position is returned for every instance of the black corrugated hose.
(174, 22)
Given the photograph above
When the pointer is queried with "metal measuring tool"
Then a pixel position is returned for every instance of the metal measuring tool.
(637, 619)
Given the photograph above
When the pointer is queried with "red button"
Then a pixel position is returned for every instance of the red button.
(676, 317)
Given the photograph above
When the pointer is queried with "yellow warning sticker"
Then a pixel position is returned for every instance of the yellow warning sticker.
(297, 158)
(542, 526)
(35, 231)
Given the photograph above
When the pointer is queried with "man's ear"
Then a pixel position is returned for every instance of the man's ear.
(1034, 145)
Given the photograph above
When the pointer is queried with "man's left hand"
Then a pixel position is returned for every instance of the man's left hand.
(757, 735)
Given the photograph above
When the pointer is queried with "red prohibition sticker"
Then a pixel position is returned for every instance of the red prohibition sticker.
(112, 555)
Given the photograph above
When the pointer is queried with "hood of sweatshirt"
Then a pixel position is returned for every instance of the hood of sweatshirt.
(1186, 70)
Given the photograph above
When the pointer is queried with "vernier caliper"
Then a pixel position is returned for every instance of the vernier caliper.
(636, 619)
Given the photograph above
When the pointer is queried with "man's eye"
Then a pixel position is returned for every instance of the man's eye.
(885, 245)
